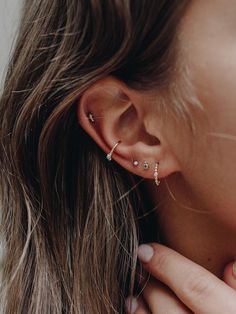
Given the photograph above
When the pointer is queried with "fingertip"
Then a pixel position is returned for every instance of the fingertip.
(136, 305)
(229, 275)
(131, 304)
(145, 252)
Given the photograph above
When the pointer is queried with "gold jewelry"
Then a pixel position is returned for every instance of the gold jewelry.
(109, 155)
(157, 181)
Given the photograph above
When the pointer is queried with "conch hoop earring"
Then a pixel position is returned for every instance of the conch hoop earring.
(109, 155)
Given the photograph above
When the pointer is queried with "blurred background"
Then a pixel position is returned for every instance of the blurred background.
(9, 19)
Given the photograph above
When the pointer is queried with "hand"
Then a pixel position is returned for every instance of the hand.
(181, 286)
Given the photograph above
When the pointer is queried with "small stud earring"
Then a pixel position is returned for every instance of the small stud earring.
(90, 117)
(109, 155)
(157, 181)
(145, 165)
(135, 163)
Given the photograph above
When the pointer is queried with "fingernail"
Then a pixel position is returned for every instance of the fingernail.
(234, 269)
(145, 253)
(131, 304)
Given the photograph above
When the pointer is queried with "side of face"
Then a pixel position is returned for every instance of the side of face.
(208, 45)
(207, 161)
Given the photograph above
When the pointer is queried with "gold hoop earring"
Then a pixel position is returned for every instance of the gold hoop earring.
(109, 155)
(157, 181)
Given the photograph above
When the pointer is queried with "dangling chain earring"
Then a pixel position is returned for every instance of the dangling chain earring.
(109, 155)
(157, 181)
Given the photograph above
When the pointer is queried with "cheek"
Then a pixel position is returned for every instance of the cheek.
(213, 173)
(208, 44)
(215, 82)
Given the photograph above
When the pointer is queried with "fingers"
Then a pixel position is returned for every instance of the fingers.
(197, 288)
(136, 306)
(229, 275)
(158, 297)
(161, 299)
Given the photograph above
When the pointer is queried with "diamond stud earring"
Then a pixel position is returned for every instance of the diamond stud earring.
(90, 117)
(135, 163)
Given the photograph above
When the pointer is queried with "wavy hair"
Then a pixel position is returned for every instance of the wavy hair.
(71, 221)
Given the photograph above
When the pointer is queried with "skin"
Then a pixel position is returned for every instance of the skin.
(196, 199)
(182, 286)
(207, 32)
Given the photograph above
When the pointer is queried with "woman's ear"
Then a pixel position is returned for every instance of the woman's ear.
(109, 112)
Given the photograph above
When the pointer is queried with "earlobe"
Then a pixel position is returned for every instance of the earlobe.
(116, 118)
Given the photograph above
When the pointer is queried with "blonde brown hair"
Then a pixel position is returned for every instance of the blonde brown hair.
(70, 219)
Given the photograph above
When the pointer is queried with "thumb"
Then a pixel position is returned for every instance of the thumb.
(229, 275)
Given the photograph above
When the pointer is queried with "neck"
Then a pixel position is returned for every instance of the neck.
(191, 230)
